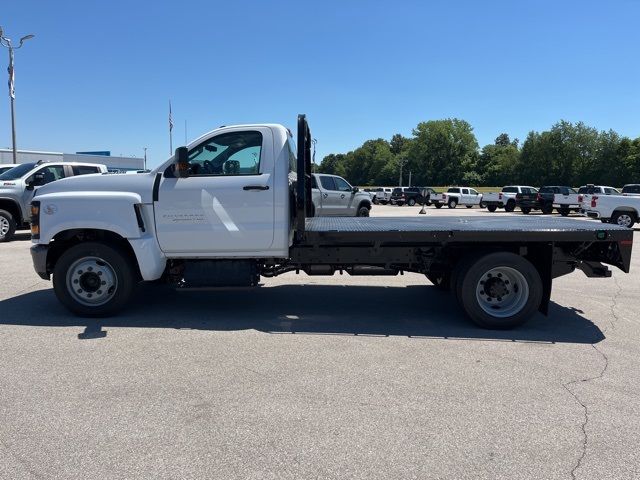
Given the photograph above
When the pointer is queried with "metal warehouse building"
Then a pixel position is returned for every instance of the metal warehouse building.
(112, 163)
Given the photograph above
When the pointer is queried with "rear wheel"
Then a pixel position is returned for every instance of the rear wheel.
(453, 203)
(547, 210)
(526, 210)
(93, 279)
(438, 205)
(624, 219)
(7, 226)
(510, 206)
(469, 206)
(500, 290)
(483, 205)
(411, 202)
(492, 208)
(564, 212)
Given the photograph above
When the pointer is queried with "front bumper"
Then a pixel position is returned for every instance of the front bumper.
(39, 257)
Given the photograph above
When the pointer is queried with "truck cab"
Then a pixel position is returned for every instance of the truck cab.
(20, 184)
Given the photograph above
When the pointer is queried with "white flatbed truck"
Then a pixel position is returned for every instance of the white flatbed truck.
(235, 205)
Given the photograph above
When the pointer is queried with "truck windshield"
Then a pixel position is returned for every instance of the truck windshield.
(17, 172)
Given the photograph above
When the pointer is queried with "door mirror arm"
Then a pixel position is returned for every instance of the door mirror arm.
(181, 163)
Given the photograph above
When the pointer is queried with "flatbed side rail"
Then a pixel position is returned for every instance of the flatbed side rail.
(303, 187)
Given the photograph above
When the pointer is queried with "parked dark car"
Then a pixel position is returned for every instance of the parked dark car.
(546, 196)
(631, 189)
(410, 195)
(527, 199)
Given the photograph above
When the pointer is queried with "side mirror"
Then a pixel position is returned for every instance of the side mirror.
(355, 190)
(181, 162)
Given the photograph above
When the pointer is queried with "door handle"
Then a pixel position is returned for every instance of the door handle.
(342, 196)
(325, 195)
(256, 187)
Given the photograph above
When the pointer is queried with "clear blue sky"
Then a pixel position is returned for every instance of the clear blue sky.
(99, 75)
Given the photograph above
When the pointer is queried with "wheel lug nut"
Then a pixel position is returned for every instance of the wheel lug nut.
(488, 299)
(103, 283)
(99, 292)
(79, 290)
(499, 275)
(481, 292)
(90, 269)
(89, 295)
(79, 272)
(75, 281)
(499, 299)
(99, 272)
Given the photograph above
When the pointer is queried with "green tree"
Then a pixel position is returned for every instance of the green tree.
(440, 150)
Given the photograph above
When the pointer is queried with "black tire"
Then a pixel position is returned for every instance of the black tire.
(564, 212)
(120, 265)
(440, 281)
(624, 219)
(7, 226)
(492, 208)
(604, 220)
(483, 205)
(526, 210)
(363, 211)
(438, 205)
(470, 279)
(469, 206)
(510, 206)
(547, 210)
(453, 203)
(411, 202)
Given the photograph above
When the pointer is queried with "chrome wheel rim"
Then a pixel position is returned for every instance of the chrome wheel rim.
(4, 226)
(502, 292)
(624, 220)
(91, 281)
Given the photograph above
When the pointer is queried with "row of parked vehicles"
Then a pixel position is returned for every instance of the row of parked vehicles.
(588, 200)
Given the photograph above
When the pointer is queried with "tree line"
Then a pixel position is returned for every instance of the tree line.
(446, 152)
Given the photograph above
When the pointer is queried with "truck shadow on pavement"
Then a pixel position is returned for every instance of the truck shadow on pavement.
(415, 311)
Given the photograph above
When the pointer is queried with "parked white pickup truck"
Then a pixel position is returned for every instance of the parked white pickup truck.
(235, 205)
(623, 210)
(586, 191)
(456, 196)
(510, 197)
(333, 196)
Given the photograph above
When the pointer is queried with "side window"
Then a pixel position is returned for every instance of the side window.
(51, 173)
(510, 190)
(611, 191)
(234, 153)
(314, 184)
(342, 185)
(327, 183)
(473, 192)
(453, 190)
(465, 191)
(84, 170)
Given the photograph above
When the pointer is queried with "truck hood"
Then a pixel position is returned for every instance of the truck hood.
(140, 183)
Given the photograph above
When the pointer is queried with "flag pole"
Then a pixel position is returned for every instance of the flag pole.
(170, 131)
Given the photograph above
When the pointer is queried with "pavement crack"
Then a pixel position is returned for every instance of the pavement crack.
(585, 436)
(614, 304)
(21, 461)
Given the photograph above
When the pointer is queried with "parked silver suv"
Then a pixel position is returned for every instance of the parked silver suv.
(19, 185)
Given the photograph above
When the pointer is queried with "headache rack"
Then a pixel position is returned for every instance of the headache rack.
(304, 206)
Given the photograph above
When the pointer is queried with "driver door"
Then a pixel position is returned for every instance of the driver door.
(226, 205)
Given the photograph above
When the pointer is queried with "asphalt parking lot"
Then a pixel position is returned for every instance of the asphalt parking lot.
(305, 378)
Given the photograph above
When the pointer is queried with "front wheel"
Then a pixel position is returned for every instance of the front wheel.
(453, 203)
(94, 279)
(438, 205)
(492, 208)
(469, 206)
(500, 290)
(483, 205)
(624, 219)
(510, 206)
(363, 212)
(7, 226)
(411, 202)
(564, 212)
(526, 210)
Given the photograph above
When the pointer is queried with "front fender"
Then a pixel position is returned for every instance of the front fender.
(111, 211)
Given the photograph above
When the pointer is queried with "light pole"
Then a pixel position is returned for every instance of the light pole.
(145, 158)
(6, 42)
